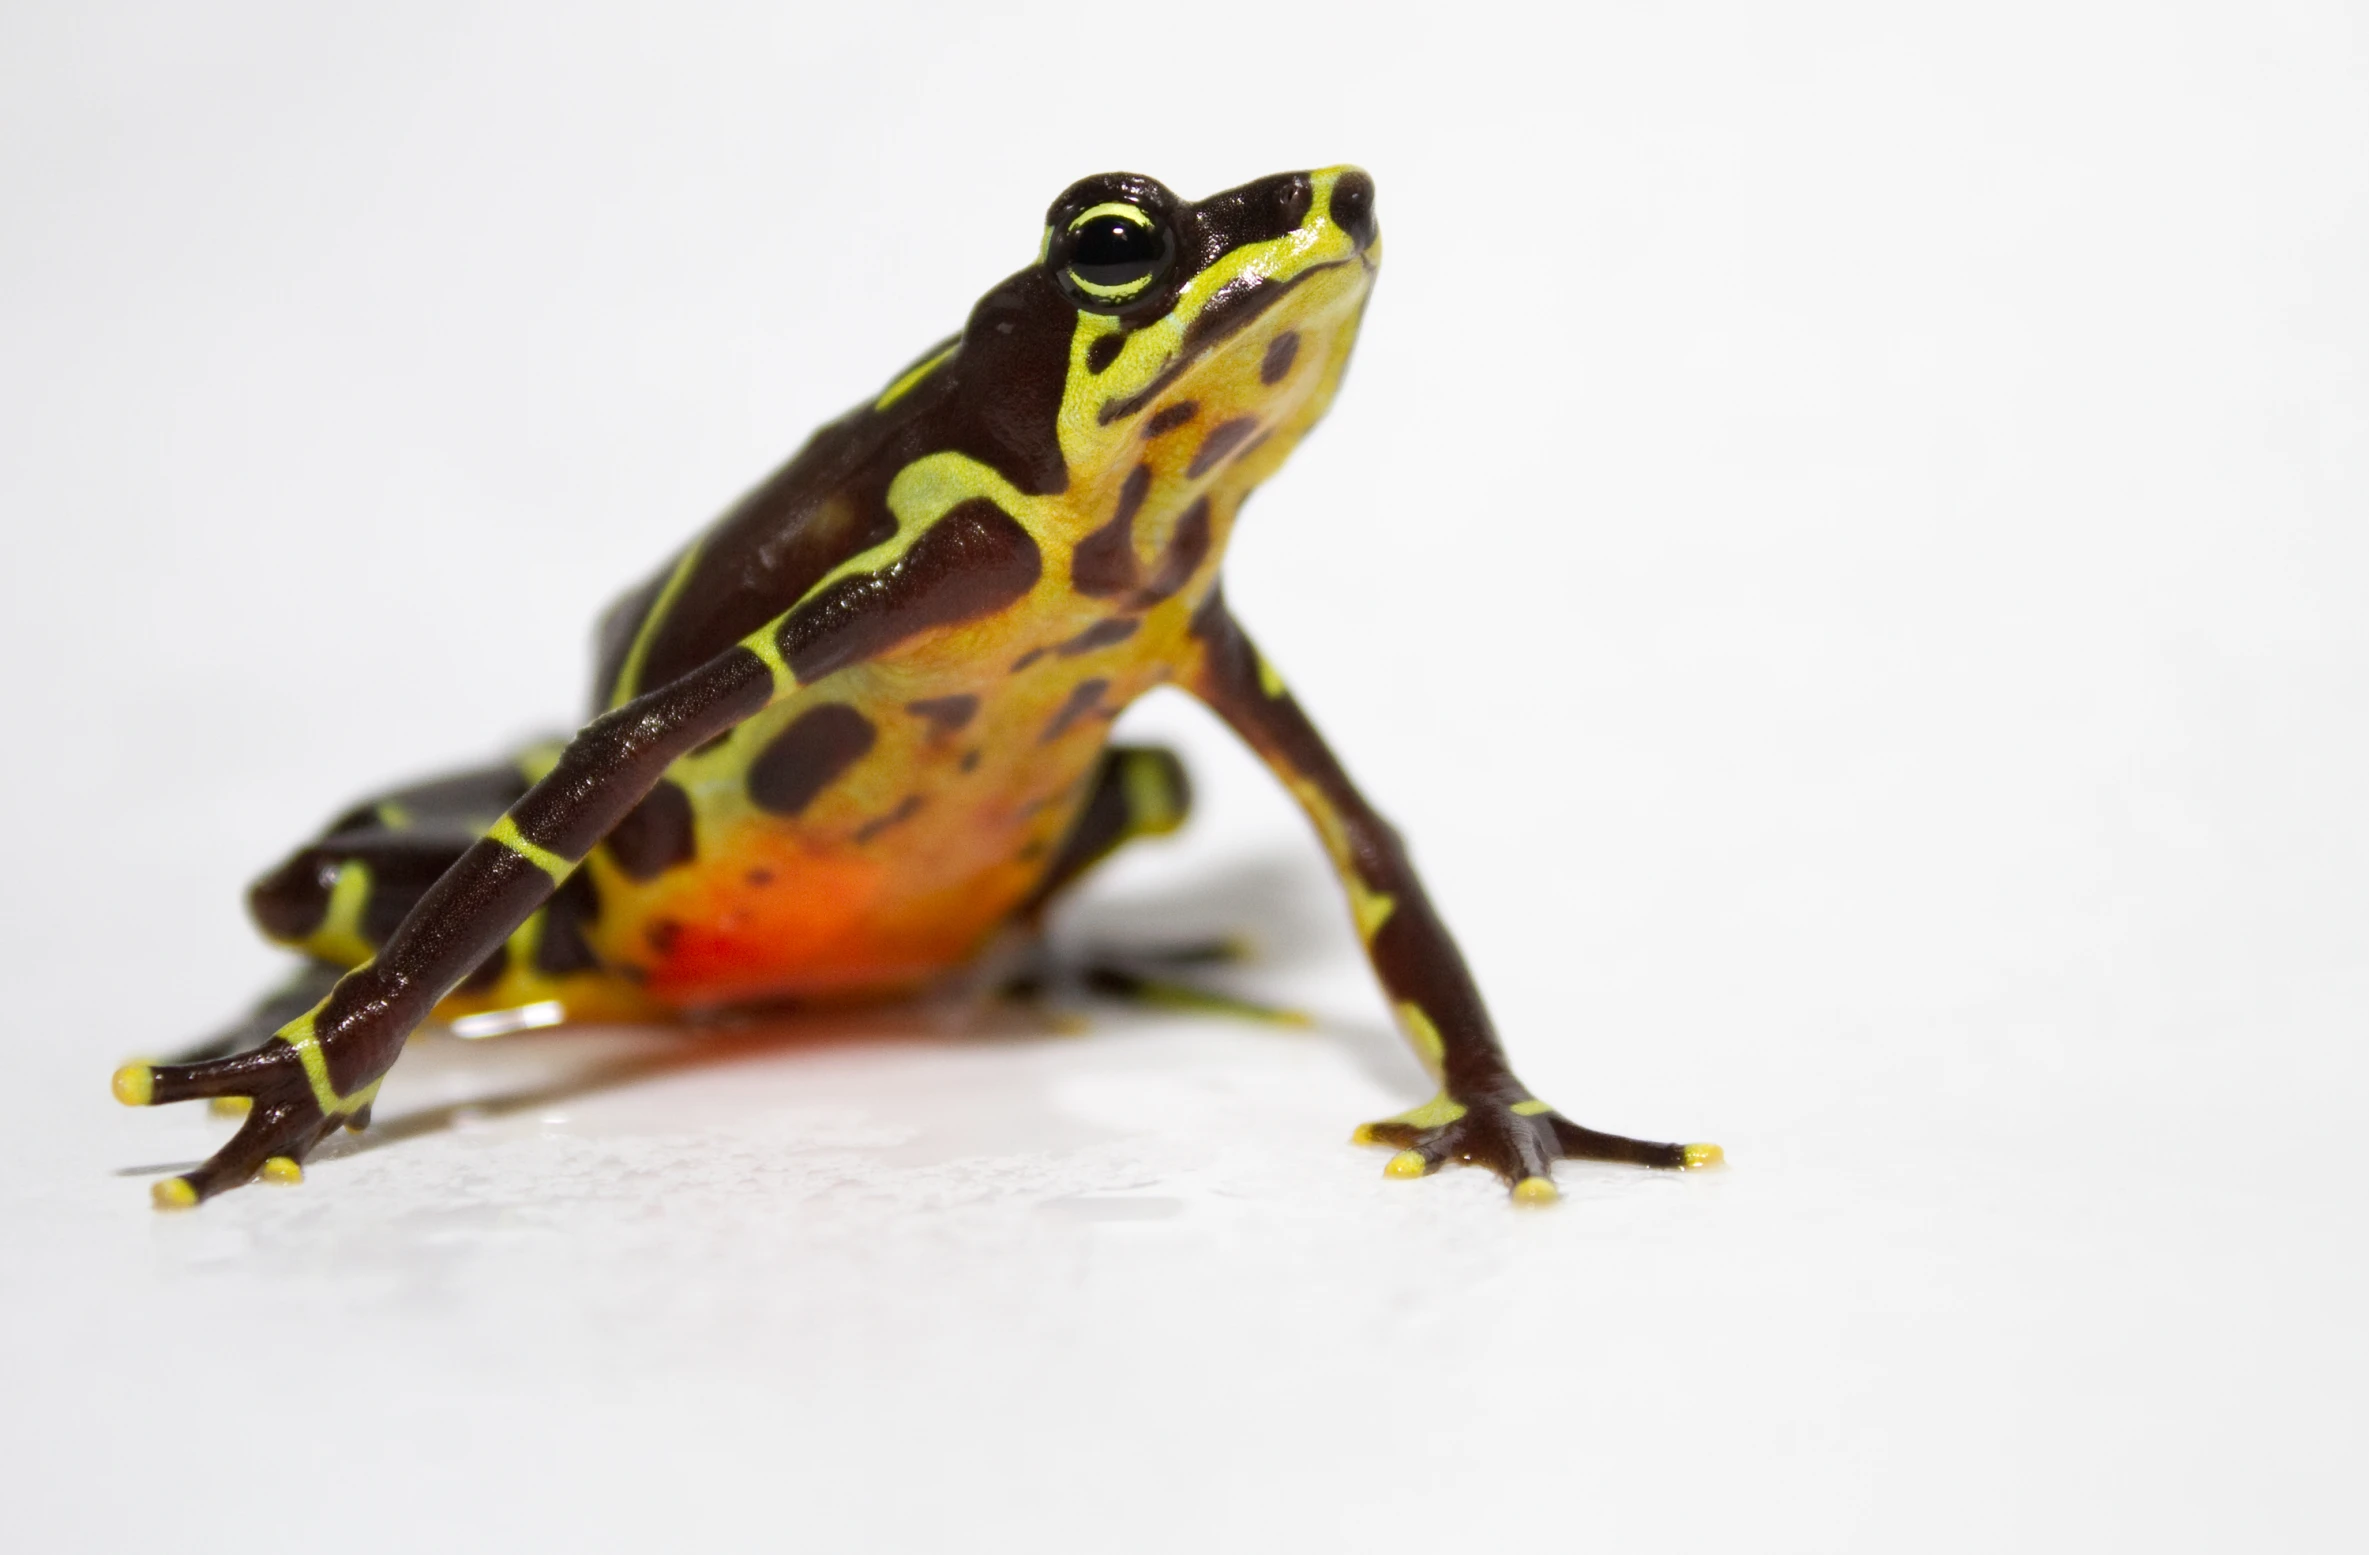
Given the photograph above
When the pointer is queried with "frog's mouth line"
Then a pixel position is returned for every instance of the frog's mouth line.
(1231, 309)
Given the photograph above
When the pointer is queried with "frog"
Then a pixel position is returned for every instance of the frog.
(858, 731)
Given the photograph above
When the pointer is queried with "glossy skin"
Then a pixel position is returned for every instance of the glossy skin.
(858, 729)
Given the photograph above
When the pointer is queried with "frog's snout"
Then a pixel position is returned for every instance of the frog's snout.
(1352, 207)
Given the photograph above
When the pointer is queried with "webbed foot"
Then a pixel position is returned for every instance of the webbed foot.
(284, 1119)
(1519, 1140)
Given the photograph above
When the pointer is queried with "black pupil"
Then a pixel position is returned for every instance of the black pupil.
(1113, 251)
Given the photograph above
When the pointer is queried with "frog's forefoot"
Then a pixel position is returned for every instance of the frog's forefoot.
(1518, 1140)
(283, 1122)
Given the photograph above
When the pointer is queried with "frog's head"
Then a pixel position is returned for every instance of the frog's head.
(1150, 315)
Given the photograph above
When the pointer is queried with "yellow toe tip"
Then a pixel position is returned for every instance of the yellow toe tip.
(1363, 1134)
(174, 1193)
(231, 1106)
(1536, 1190)
(281, 1168)
(1407, 1163)
(1698, 1156)
(134, 1085)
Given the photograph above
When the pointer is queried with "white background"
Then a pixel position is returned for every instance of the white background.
(1844, 548)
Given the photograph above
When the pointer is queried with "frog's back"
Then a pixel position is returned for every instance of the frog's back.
(763, 555)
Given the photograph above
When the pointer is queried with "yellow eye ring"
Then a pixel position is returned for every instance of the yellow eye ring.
(1115, 252)
(1118, 208)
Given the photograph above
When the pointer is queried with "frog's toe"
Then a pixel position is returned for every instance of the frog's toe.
(1574, 1143)
(283, 1121)
(1519, 1141)
(272, 1143)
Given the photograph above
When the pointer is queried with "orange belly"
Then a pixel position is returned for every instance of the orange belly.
(789, 913)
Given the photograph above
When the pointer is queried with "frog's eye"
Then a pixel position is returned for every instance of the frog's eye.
(1115, 252)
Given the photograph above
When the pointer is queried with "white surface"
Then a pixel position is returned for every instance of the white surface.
(1844, 548)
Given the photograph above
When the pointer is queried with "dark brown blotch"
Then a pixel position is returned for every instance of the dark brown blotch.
(946, 716)
(1104, 562)
(808, 756)
(1221, 440)
(973, 562)
(1084, 698)
(562, 947)
(656, 835)
(1188, 548)
(1100, 635)
(907, 808)
(1104, 351)
(1282, 351)
(1169, 417)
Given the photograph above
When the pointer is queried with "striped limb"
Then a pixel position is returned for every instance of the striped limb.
(323, 1068)
(1482, 1114)
(941, 569)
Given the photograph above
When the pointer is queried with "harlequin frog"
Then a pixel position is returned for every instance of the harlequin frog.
(860, 725)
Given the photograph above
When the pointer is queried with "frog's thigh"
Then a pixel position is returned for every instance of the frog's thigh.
(340, 896)
(1137, 791)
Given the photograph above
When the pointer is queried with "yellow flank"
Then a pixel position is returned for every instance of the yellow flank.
(134, 1085)
(1704, 1155)
(629, 675)
(505, 832)
(889, 396)
(1423, 1035)
(1407, 1163)
(282, 1169)
(339, 938)
(1536, 1192)
(174, 1193)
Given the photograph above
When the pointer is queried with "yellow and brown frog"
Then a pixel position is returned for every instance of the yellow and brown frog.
(858, 729)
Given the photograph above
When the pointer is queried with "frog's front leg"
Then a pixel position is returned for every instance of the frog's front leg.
(1483, 1114)
(324, 1067)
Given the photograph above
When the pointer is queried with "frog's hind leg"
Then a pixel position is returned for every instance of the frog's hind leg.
(337, 900)
(341, 896)
(338, 897)
(1141, 791)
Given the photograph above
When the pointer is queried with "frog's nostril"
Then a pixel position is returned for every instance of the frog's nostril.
(1353, 207)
